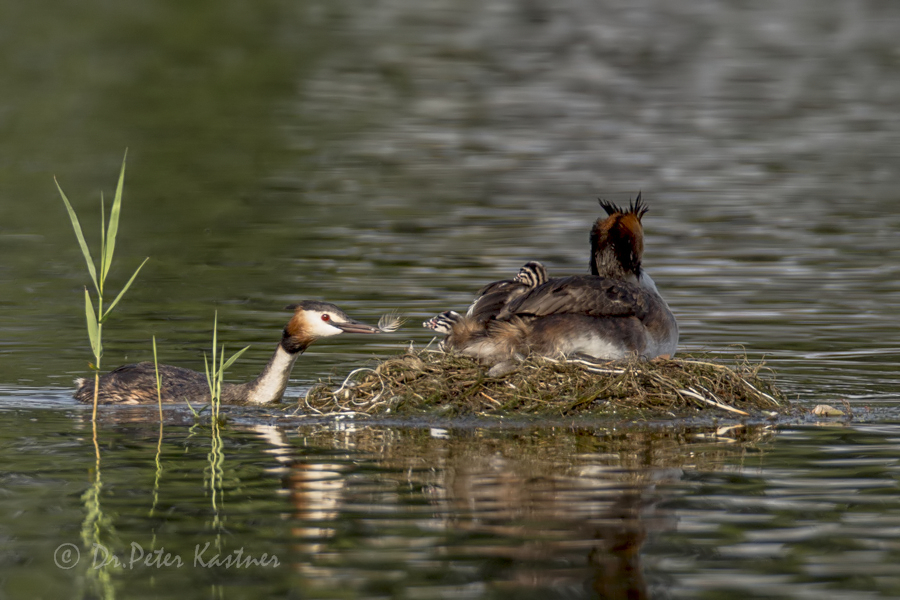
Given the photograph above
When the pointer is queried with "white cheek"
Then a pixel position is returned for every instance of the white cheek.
(322, 328)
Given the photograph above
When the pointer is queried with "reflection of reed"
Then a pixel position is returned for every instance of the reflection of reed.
(97, 530)
(215, 475)
(530, 509)
(159, 469)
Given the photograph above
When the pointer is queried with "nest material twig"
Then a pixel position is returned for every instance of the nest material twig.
(448, 384)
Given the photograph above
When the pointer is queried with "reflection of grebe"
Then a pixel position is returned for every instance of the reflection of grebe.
(136, 384)
(614, 313)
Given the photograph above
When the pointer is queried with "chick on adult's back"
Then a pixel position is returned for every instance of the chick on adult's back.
(614, 313)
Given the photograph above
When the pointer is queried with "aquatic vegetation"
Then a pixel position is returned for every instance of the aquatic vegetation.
(158, 381)
(96, 318)
(450, 384)
(216, 374)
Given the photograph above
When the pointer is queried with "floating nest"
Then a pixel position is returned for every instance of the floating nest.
(447, 384)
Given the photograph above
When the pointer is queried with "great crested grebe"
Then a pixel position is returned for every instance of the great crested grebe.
(136, 384)
(614, 313)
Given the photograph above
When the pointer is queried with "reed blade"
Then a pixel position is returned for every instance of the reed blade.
(215, 328)
(93, 327)
(217, 401)
(158, 391)
(234, 357)
(209, 380)
(76, 225)
(113, 230)
(221, 372)
(102, 241)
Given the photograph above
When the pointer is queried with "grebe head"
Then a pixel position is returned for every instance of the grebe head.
(532, 274)
(444, 322)
(617, 241)
(313, 320)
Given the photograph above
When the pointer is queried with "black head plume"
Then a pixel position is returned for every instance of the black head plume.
(636, 207)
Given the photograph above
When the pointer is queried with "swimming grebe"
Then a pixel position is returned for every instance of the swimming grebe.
(614, 313)
(136, 384)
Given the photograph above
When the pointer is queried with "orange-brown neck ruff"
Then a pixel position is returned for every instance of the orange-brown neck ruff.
(295, 338)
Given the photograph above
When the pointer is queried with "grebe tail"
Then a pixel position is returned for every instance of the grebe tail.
(136, 383)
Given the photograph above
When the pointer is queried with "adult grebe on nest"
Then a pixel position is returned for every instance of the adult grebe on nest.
(136, 384)
(614, 313)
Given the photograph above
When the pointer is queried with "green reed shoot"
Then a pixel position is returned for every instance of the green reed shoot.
(96, 318)
(215, 377)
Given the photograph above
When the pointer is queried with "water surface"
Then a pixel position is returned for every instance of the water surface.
(400, 155)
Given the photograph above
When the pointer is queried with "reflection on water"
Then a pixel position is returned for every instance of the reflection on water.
(374, 511)
(511, 514)
(400, 155)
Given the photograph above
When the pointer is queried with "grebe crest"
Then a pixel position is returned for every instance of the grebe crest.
(136, 383)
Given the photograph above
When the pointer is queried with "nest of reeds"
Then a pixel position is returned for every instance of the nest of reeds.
(447, 384)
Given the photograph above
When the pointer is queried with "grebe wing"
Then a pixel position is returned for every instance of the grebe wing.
(586, 295)
(137, 372)
(495, 287)
(492, 298)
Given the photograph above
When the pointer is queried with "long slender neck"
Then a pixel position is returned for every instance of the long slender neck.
(608, 261)
(270, 385)
(617, 244)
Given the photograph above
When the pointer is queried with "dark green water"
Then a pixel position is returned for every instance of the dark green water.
(352, 510)
(398, 156)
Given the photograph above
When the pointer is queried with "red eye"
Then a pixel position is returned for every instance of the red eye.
(326, 317)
